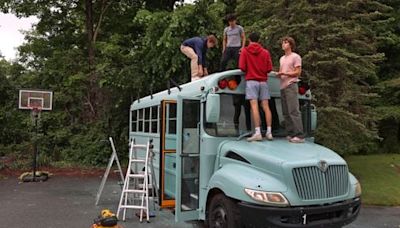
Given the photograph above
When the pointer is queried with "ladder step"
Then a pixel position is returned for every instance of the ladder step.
(133, 207)
(138, 160)
(136, 175)
(140, 146)
(135, 191)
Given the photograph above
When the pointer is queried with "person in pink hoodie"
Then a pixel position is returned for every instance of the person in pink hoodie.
(256, 62)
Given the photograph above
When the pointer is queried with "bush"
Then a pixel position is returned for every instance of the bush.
(87, 147)
(344, 133)
(389, 128)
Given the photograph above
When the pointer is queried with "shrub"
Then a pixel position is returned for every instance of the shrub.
(344, 133)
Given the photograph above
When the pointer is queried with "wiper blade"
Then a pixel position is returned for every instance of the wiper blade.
(243, 135)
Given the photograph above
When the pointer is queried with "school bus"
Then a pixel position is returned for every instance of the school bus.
(207, 170)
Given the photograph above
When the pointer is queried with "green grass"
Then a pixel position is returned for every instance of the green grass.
(379, 176)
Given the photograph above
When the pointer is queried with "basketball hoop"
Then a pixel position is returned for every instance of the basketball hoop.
(36, 109)
(36, 101)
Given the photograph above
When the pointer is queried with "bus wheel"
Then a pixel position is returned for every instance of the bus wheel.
(223, 213)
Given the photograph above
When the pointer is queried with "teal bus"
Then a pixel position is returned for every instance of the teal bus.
(206, 170)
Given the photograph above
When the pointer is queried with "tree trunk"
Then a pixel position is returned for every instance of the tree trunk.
(92, 90)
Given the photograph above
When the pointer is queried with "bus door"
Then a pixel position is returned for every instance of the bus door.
(187, 159)
(168, 137)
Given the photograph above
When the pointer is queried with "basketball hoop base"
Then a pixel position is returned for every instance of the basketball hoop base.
(39, 177)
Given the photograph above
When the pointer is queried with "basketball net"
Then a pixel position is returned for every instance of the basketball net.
(35, 111)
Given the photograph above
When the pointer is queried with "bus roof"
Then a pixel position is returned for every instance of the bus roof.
(198, 87)
(190, 89)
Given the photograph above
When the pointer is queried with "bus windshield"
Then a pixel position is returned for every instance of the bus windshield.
(235, 117)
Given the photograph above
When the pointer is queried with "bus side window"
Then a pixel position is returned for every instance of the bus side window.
(140, 120)
(134, 121)
(147, 120)
(154, 119)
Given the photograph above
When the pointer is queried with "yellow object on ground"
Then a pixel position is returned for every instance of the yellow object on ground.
(106, 219)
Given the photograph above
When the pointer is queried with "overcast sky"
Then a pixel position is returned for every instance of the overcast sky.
(10, 35)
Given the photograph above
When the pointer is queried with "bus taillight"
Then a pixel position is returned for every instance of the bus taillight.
(303, 88)
(232, 84)
(222, 84)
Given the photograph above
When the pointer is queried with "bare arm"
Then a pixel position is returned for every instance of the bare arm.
(224, 43)
(243, 36)
(295, 73)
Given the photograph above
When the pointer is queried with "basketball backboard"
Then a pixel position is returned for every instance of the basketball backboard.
(39, 99)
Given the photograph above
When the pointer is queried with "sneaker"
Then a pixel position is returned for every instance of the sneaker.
(269, 136)
(296, 140)
(255, 137)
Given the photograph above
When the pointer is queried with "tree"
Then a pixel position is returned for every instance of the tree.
(339, 48)
(56, 57)
(163, 33)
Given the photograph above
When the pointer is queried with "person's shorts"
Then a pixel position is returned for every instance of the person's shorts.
(256, 90)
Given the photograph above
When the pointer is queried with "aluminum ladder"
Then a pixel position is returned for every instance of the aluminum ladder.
(136, 195)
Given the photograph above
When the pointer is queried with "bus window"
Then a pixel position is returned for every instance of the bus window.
(154, 119)
(140, 120)
(234, 117)
(147, 120)
(278, 121)
(134, 121)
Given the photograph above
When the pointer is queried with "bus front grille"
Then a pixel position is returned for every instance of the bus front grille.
(312, 183)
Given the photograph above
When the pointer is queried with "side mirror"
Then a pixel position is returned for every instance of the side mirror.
(212, 108)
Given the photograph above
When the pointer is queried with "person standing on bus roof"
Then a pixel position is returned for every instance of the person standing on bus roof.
(234, 40)
(196, 50)
(256, 62)
(289, 73)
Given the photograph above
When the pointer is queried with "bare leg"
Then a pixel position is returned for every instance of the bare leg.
(267, 111)
(255, 113)
(256, 117)
(268, 118)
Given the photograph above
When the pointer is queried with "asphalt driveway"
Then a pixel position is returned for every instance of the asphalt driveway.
(70, 202)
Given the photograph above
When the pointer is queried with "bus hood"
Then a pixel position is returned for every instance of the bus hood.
(272, 156)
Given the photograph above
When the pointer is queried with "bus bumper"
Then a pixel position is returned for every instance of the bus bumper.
(333, 215)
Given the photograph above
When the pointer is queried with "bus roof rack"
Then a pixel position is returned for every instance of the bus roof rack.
(174, 83)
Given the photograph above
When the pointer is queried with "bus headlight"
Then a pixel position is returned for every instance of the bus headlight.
(358, 189)
(273, 198)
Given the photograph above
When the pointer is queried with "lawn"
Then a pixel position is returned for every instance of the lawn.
(379, 176)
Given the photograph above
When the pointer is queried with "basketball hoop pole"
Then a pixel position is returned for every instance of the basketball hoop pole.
(35, 116)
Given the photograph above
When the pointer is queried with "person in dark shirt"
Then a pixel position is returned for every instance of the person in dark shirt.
(196, 49)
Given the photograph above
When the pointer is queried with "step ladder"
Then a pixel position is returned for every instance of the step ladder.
(135, 192)
(114, 157)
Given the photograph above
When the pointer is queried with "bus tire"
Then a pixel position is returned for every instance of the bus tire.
(223, 213)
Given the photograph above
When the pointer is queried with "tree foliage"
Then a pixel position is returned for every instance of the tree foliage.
(348, 48)
(338, 42)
